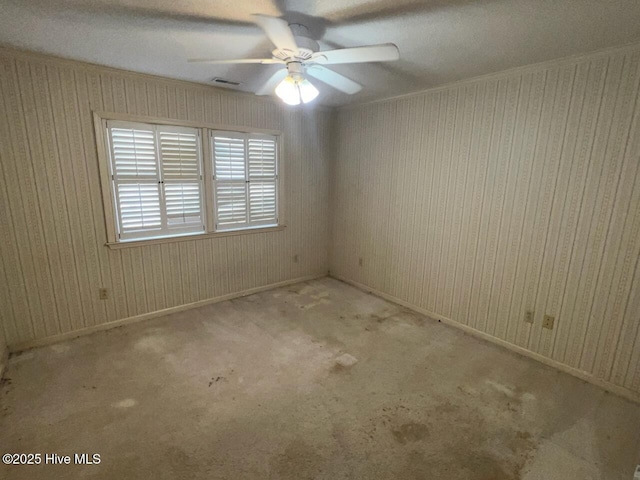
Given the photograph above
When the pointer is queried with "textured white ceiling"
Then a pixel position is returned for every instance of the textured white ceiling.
(440, 41)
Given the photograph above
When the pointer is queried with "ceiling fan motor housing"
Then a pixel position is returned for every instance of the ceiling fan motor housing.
(295, 69)
(307, 46)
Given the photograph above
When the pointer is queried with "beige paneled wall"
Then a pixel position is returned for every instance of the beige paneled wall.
(3, 350)
(52, 227)
(515, 192)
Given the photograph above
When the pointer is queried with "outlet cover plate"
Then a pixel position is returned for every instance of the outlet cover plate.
(548, 322)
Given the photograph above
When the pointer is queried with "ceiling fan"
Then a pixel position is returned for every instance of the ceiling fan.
(302, 57)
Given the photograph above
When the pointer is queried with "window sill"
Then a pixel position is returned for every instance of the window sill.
(188, 238)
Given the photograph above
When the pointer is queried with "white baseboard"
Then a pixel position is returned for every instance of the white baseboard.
(581, 374)
(41, 342)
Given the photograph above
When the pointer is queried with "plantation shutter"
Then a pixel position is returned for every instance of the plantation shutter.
(245, 173)
(157, 179)
(181, 178)
(136, 179)
(262, 155)
(229, 168)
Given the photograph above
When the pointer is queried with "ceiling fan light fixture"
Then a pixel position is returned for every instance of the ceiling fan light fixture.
(308, 92)
(302, 56)
(288, 91)
(294, 90)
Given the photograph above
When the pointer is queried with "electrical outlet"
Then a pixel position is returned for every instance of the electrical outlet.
(295, 258)
(636, 476)
(360, 261)
(548, 322)
(104, 294)
(528, 316)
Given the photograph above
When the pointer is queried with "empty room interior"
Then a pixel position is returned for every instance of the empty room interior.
(320, 239)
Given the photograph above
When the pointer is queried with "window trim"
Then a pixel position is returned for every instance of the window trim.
(100, 119)
(247, 180)
(168, 230)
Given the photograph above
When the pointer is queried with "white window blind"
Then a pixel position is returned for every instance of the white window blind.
(156, 172)
(245, 169)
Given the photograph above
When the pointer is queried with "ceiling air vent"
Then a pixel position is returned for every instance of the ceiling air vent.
(223, 82)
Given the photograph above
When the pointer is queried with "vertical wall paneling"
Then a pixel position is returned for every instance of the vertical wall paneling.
(52, 226)
(513, 192)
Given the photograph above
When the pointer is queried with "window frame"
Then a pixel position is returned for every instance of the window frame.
(167, 230)
(249, 224)
(208, 194)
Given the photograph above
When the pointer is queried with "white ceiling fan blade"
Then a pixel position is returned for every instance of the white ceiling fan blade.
(265, 61)
(278, 32)
(372, 53)
(270, 85)
(334, 79)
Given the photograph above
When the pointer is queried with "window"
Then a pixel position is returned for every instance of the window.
(245, 177)
(160, 185)
(157, 179)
